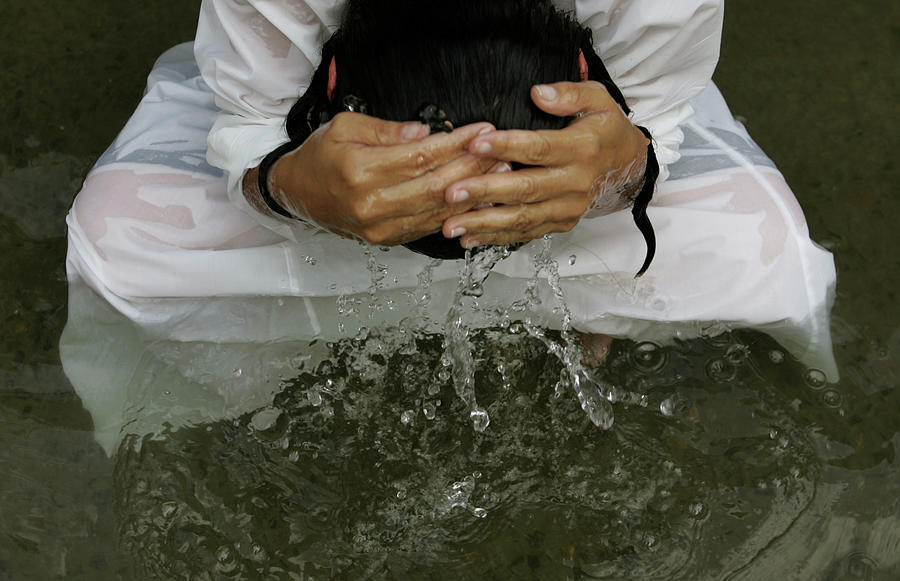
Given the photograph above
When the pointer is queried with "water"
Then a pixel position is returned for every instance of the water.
(701, 480)
(726, 459)
(301, 464)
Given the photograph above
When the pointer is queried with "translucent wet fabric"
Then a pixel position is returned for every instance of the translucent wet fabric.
(163, 250)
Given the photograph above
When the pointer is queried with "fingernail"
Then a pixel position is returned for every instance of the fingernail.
(482, 147)
(546, 92)
(459, 196)
(457, 232)
(504, 167)
(412, 131)
(485, 129)
(471, 243)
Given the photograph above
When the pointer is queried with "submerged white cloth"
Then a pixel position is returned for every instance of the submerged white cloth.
(257, 57)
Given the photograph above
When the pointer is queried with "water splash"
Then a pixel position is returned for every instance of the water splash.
(458, 348)
(341, 494)
(379, 273)
(593, 396)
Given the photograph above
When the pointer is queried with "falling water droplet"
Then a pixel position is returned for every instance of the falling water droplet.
(720, 370)
(169, 509)
(429, 409)
(776, 356)
(737, 354)
(648, 357)
(237, 372)
(480, 419)
(479, 513)
(596, 406)
(815, 379)
(667, 407)
(698, 511)
(832, 398)
(572, 260)
(314, 397)
(406, 417)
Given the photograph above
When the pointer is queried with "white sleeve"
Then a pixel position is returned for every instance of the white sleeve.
(257, 56)
(661, 54)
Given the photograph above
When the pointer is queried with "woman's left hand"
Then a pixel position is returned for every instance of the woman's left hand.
(597, 162)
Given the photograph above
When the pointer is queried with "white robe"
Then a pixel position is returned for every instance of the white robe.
(162, 233)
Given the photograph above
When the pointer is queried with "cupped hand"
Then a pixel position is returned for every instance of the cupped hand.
(379, 181)
(596, 163)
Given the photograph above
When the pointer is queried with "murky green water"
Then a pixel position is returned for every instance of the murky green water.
(741, 465)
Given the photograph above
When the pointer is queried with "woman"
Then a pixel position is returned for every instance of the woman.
(169, 230)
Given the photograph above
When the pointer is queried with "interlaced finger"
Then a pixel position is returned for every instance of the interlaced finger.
(387, 165)
(540, 148)
(523, 186)
(515, 219)
(421, 199)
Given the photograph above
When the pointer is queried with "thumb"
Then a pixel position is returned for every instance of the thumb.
(566, 98)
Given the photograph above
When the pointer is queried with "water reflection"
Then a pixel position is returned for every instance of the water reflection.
(347, 474)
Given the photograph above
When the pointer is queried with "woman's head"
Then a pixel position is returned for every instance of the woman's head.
(454, 60)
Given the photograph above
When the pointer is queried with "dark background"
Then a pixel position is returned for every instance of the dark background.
(815, 81)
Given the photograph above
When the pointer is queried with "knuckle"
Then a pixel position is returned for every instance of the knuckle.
(364, 210)
(434, 187)
(340, 122)
(424, 159)
(521, 221)
(381, 135)
(378, 237)
(370, 235)
(539, 150)
(527, 188)
(353, 175)
(596, 142)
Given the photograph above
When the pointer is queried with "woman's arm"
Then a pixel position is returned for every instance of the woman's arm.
(358, 176)
(257, 57)
(661, 55)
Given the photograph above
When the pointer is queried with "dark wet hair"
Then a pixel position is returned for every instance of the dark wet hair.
(473, 60)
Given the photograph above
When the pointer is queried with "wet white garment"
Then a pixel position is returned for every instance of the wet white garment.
(257, 57)
(163, 251)
(154, 232)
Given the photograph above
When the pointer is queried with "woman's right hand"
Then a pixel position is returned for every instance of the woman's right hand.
(375, 180)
